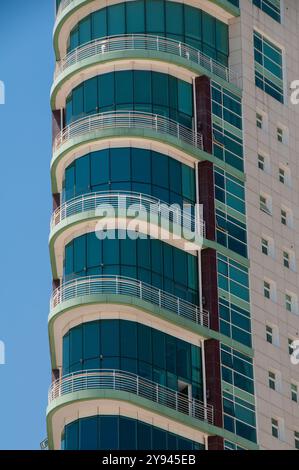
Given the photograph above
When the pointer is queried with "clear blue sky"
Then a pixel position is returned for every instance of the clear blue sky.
(26, 67)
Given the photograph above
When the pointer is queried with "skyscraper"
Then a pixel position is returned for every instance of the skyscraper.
(172, 324)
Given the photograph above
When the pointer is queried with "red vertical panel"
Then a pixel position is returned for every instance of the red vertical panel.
(215, 443)
(213, 379)
(203, 111)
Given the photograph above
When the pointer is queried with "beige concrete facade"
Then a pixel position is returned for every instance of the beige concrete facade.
(275, 357)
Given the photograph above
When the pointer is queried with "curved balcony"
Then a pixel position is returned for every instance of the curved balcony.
(142, 46)
(133, 384)
(180, 227)
(124, 120)
(128, 202)
(225, 8)
(96, 287)
(126, 126)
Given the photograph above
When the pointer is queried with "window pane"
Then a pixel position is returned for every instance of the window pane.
(106, 90)
(88, 432)
(155, 16)
(99, 27)
(120, 164)
(124, 87)
(116, 19)
(135, 17)
(100, 167)
(91, 96)
(109, 432)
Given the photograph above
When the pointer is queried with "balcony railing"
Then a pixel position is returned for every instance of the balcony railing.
(127, 382)
(151, 207)
(146, 42)
(120, 285)
(131, 120)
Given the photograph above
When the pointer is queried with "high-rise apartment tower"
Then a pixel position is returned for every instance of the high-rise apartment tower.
(177, 333)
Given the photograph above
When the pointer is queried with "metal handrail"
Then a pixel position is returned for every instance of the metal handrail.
(121, 285)
(146, 42)
(110, 379)
(124, 200)
(128, 119)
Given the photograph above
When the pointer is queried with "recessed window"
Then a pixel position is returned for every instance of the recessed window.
(272, 380)
(286, 259)
(282, 175)
(291, 303)
(279, 134)
(283, 217)
(286, 217)
(269, 334)
(265, 246)
(259, 120)
(294, 392)
(261, 162)
(270, 7)
(296, 437)
(268, 67)
(265, 204)
(290, 346)
(282, 134)
(275, 427)
(272, 335)
(267, 289)
(288, 302)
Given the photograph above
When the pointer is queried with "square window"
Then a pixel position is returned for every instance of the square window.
(290, 346)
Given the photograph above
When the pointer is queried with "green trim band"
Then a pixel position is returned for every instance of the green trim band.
(89, 395)
(146, 307)
(146, 134)
(174, 229)
(170, 59)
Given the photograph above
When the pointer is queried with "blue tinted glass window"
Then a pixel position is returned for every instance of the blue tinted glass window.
(132, 347)
(129, 434)
(159, 17)
(268, 67)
